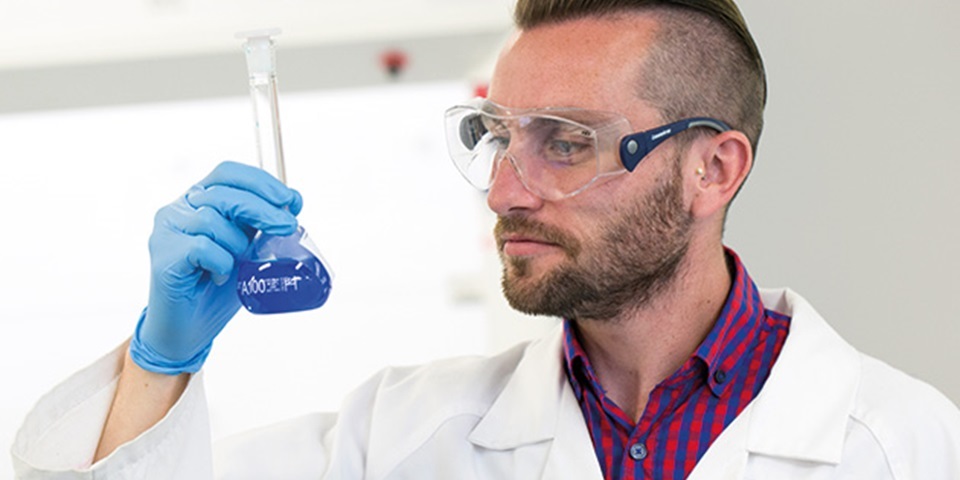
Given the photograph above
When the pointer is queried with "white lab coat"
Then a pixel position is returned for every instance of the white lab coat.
(826, 412)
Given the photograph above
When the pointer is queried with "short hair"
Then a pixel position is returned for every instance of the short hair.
(703, 61)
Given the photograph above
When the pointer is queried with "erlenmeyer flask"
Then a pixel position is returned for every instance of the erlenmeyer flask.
(283, 274)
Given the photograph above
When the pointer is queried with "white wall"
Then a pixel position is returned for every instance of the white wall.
(852, 202)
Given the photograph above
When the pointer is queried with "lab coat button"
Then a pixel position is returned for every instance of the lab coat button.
(638, 451)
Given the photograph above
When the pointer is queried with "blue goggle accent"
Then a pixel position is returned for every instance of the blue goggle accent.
(635, 146)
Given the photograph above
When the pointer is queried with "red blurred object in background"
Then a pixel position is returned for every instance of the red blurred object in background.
(481, 89)
(394, 61)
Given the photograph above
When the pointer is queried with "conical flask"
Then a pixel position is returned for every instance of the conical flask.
(283, 274)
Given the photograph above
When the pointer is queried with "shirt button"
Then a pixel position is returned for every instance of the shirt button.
(638, 451)
(720, 376)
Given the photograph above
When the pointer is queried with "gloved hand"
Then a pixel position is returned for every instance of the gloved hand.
(194, 248)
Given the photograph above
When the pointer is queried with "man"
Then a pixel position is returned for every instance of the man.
(615, 136)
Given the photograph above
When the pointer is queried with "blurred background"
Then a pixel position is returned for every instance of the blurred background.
(110, 109)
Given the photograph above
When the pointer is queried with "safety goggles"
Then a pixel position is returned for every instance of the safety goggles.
(556, 152)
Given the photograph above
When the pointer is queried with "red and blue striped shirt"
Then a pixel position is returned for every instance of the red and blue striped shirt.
(687, 411)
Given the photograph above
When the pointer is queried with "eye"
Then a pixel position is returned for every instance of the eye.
(564, 148)
(568, 151)
(499, 137)
(495, 132)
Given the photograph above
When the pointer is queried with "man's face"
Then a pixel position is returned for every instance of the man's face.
(616, 244)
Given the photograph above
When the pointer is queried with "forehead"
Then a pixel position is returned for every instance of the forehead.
(591, 63)
(591, 118)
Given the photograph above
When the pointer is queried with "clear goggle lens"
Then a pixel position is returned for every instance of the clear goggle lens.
(554, 156)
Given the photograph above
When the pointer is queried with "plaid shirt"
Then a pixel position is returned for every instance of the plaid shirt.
(687, 411)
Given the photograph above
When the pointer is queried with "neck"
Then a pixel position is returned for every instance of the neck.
(634, 352)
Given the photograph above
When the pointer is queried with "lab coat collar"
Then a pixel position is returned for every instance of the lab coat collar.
(816, 371)
(526, 410)
(538, 405)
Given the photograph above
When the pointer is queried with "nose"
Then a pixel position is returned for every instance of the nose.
(507, 192)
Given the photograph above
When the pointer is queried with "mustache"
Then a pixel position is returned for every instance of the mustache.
(518, 225)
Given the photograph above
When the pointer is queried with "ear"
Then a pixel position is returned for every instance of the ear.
(718, 168)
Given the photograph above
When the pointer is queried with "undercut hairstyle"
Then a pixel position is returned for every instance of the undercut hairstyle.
(703, 61)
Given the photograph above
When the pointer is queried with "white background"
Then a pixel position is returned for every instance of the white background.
(852, 203)
(402, 231)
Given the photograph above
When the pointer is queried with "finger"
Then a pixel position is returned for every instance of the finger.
(208, 222)
(181, 218)
(205, 254)
(243, 207)
(183, 262)
(297, 204)
(251, 179)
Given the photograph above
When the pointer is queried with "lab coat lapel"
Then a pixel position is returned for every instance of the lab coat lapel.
(727, 456)
(538, 405)
(571, 454)
(801, 412)
(803, 409)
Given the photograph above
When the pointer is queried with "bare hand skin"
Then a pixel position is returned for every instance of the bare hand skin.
(142, 399)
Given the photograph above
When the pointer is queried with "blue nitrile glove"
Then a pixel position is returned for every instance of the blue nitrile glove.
(195, 243)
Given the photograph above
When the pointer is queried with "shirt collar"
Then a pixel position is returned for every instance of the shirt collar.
(720, 352)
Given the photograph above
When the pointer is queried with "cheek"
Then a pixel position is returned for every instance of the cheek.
(592, 228)
(602, 213)
(588, 215)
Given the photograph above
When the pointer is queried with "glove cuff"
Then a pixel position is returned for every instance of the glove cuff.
(152, 361)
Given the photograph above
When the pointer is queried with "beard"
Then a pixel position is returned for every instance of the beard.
(636, 257)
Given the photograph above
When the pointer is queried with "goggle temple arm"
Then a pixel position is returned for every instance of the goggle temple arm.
(635, 146)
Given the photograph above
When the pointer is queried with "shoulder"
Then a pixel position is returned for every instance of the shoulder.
(400, 410)
(885, 388)
(903, 411)
(873, 410)
(410, 399)
(477, 378)
(379, 424)
(916, 427)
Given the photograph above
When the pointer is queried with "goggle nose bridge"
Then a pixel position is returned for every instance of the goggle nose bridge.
(502, 155)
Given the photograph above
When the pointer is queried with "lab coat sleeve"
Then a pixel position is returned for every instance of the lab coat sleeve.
(59, 436)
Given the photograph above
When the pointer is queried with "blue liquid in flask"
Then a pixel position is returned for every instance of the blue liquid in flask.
(282, 274)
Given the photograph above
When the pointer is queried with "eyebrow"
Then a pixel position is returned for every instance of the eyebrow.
(491, 122)
(587, 118)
